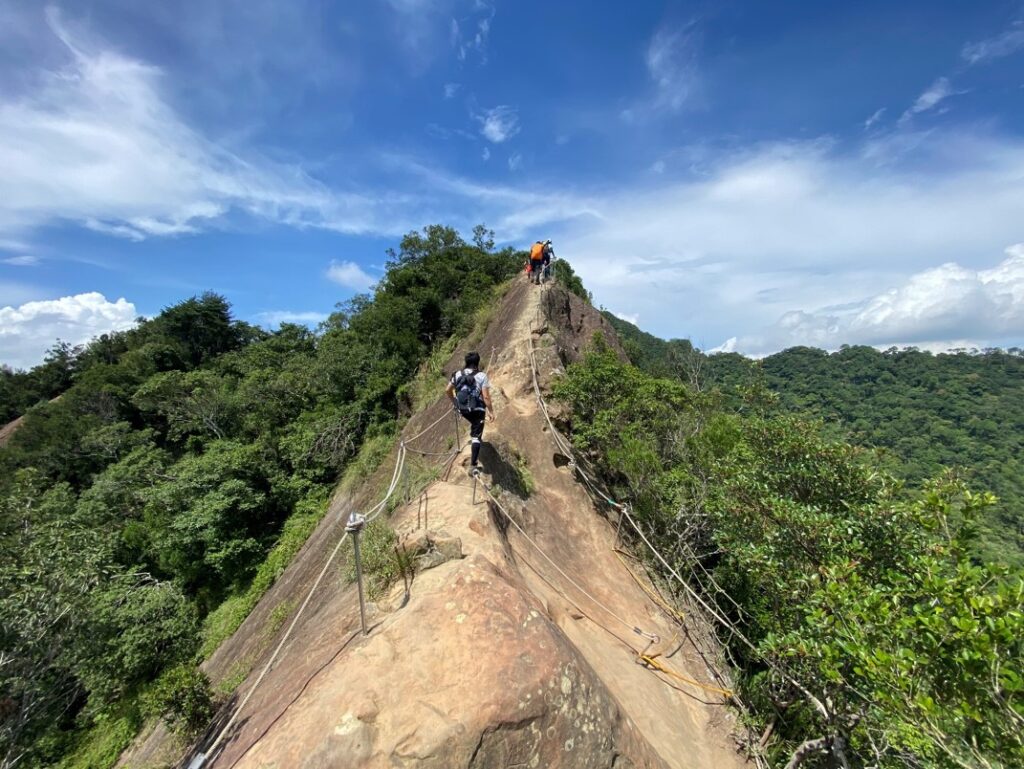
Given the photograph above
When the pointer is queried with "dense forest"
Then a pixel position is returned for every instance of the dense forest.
(145, 510)
(923, 411)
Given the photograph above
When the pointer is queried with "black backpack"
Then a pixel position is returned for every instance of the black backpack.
(467, 391)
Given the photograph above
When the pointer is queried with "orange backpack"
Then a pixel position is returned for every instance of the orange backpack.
(537, 252)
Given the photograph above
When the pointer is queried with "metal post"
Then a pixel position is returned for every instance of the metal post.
(458, 442)
(474, 486)
(354, 527)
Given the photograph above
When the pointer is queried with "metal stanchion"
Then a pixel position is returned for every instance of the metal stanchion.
(476, 473)
(455, 416)
(355, 525)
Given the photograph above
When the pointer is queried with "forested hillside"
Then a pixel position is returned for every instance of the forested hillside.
(961, 410)
(144, 511)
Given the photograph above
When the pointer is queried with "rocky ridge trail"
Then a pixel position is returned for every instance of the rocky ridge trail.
(513, 646)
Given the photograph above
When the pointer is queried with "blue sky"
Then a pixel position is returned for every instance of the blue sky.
(748, 175)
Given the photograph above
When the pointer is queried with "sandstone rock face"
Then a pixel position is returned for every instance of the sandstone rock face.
(512, 646)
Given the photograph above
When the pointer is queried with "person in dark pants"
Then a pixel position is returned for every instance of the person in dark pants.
(536, 261)
(470, 390)
(549, 257)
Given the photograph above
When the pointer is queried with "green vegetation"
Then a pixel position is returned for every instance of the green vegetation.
(220, 623)
(870, 636)
(182, 697)
(381, 566)
(927, 412)
(562, 271)
(20, 390)
(145, 511)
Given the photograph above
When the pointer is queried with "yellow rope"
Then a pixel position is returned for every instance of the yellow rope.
(654, 663)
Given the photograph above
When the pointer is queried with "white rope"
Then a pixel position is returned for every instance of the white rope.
(574, 583)
(372, 513)
(566, 448)
(277, 651)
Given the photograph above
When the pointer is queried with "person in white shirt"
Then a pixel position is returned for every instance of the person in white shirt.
(470, 390)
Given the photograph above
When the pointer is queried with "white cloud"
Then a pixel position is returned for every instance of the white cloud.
(1009, 42)
(486, 154)
(793, 225)
(671, 60)
(871, 121)
(350, 275)
(499, 124)
(275, 318)
(451, 89)
(932, 96)
(95, 142)
(633, 318)
(24, 260)
(515, 162)
(28, 331)
(939, 308)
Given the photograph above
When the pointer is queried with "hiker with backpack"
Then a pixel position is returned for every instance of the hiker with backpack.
(540, 253)
(549, 257)
(470, 390)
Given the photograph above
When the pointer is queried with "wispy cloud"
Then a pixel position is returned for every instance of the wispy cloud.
(767, 228)
(451, 90)
(470, 36)
(24, 260)
(1004, 44)
(27, 331)
(486, 154)
(499, 124)
(515, 162)
(350, 275)
(95, 142)
(671, 60)
(875, 117)
(929, 99)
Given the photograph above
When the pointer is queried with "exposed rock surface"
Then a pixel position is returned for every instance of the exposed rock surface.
(493, 656)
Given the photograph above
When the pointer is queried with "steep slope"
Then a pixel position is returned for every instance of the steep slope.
(518, 651)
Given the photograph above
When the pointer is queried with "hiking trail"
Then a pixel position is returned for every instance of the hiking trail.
(492, 656)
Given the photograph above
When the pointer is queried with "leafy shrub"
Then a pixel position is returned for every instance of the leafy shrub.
(181, 696)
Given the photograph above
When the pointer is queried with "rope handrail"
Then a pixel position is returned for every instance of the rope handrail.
(642, 657)
(608, 610)
(371, 514)
(273, 657)
(566, 448)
